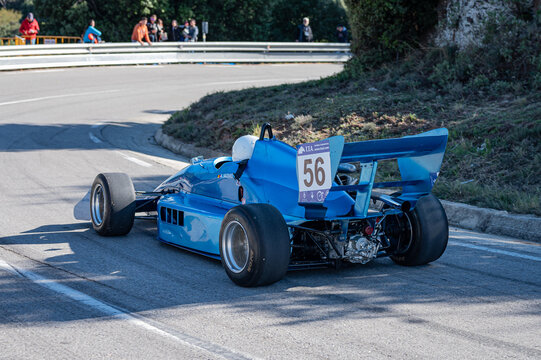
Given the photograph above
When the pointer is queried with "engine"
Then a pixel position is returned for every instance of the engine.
(360, 249)
(326, 241)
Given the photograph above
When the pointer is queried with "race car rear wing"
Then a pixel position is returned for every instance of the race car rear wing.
(419, 159)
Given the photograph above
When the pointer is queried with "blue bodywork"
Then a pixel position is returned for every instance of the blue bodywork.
(191, 216)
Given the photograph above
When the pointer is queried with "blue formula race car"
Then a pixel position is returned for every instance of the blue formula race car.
(271, 208)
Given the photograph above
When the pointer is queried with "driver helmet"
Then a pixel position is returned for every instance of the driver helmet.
(244, 147)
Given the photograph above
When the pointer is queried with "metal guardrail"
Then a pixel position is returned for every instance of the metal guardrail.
(68, 55)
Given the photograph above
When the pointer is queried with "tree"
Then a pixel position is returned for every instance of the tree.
(23, 6)
(383, 30)
(9, 22)
(324, 16)
(229, 20)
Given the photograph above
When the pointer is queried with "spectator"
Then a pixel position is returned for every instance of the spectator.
(193, 32)
(186, 31)
(29, 28)
(162, 35)
(153, 29)
(341, 34)
(92, 35)
(140, 32)
(305, 31)
(176, 32)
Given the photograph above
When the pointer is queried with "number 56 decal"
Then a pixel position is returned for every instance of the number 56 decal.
(314, 171)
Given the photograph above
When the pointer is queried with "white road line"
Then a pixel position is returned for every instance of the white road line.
(109, 310)
(496, 251)
(94, 138)
(35, 71)
(57, 97)
(174, 164)
(132, 159)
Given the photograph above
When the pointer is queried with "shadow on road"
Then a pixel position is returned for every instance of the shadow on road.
(142, 274)
(133, 136)
(164, 112)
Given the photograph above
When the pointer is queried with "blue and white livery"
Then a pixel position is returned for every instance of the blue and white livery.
(271, 208)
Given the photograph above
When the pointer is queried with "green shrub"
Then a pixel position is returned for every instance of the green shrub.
(9, 22)
(383, 30)
(324, 16)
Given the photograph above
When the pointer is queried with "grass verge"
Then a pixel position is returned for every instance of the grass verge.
(493, 156)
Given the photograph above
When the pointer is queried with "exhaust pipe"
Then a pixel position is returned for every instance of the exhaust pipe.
(405, 206)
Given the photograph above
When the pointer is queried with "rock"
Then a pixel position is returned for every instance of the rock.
(462, 20)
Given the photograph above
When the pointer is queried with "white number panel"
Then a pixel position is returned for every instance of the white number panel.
(314, 173)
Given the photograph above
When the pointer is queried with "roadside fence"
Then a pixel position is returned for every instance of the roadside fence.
(41, 39)
(68, 55)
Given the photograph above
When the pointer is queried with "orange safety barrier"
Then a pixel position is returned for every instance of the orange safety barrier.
(41, 39)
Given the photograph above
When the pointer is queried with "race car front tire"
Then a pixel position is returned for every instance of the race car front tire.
(254, 245)
(429, 231)
(112, 204)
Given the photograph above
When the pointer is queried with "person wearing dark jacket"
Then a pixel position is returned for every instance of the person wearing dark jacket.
(153, 29)
(305, 31)
(176, 32)
(341, 34)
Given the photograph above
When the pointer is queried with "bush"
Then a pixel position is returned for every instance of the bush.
(507, 60)
(9, 22)
(324, 16)
(383, 30)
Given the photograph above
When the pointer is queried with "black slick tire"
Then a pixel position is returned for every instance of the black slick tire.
(429, 230)
(112, 204)
(264, 256)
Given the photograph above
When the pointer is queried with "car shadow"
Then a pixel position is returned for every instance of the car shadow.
(142, 274)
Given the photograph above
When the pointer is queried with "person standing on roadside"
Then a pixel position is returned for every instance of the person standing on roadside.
(341, 34)
(153, 29)
(140, 32)
(175, 32)
(92, 35)
(162, 35)
(193, 32)
(186, 31)
(305, 31)
(29, 28)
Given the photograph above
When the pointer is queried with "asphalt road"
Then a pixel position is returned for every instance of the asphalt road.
(67, 293)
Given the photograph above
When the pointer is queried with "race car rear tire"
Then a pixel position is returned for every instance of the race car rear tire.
(254, 245)
(429, 233)
(112, 204)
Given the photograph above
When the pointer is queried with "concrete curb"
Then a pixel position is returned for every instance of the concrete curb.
(527, 227)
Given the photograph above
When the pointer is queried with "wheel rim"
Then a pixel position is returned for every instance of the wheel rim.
(403, 234)
(235, 247)
(97, 205)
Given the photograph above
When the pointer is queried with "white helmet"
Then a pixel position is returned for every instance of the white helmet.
(244, 147)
